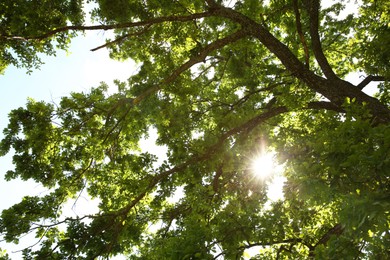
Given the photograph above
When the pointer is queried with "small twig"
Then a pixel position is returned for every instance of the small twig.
(78, 197)
(119, 39)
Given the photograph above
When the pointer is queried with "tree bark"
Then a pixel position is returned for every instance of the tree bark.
(334, 89)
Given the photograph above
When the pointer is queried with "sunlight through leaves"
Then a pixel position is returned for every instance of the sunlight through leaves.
(263, 165)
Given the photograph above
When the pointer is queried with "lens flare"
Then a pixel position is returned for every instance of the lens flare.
(263, 165)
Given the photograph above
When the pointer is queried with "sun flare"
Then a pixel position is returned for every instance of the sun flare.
(263, 165)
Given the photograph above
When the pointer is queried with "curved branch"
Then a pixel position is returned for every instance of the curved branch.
(200, 57)
(270, 243)
(313, 7)
(291, 241)
(338, 229)
(269, 112)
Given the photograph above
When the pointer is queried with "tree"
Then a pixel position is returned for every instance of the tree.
(23, 22)
(216, 81)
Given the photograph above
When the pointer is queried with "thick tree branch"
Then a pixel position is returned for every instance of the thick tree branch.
(368, 79)
(288, 59)
(334, 89)
(313, 8)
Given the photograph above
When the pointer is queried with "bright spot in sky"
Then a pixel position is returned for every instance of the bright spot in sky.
(263, 165)
(266, 168)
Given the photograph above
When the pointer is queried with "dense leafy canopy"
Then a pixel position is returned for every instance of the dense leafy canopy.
(217, 80)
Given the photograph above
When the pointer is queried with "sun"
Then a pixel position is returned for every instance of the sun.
(263, 165)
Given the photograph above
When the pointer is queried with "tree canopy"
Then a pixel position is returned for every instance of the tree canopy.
(220, 81)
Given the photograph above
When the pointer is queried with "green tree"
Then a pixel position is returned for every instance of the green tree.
(23, 28)
(216, 81)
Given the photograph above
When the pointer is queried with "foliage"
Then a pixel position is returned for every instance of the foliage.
(23, 22)
(217, 83)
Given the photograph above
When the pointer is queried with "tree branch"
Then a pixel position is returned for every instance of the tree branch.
(368, 79)
(333, 88)
(300, 32)
(270, 243)
(269, 112)
(200, 57)
(158, 20)
(247, 126)
(282, 109)
(119, 39)
(337, 230)
(313, 7)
